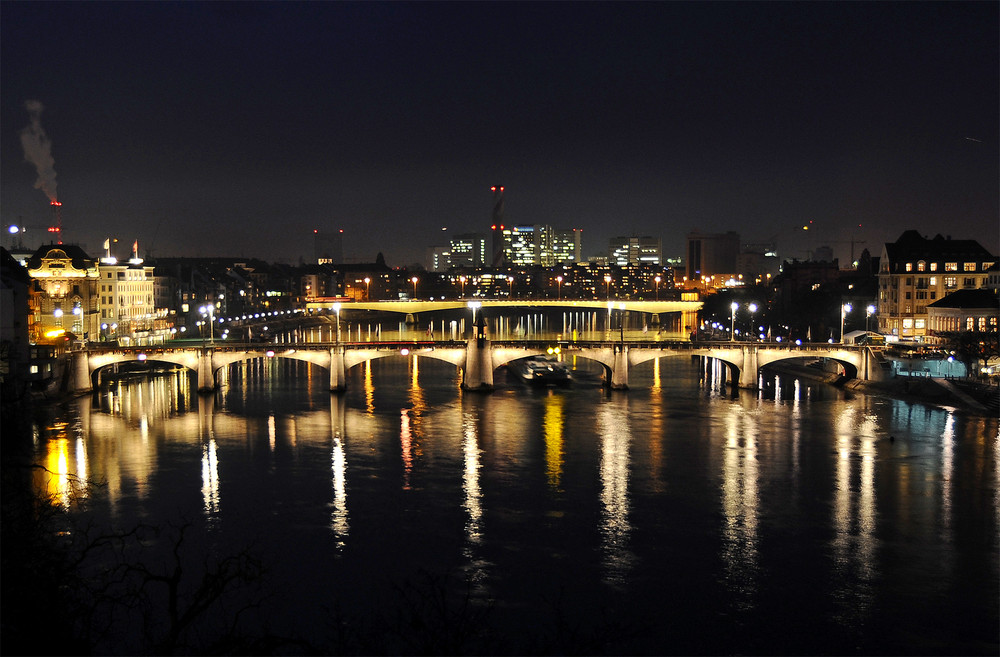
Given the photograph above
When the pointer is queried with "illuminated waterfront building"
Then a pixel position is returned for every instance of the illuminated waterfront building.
(914, 272)
(64, 297)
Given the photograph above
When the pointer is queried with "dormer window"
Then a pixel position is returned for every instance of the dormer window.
(909, 266)
(921, 266)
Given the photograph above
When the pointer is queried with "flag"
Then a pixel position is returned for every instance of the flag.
(135, 247)
(107, 244)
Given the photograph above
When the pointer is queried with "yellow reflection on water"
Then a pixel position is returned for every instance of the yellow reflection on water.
(553, 425)
(406, 445)
(656, 386)
(338, 464)
(369, 389)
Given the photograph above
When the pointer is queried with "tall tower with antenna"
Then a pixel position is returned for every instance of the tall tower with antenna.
(499, 251)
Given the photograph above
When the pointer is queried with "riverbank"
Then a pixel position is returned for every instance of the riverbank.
(928, 390)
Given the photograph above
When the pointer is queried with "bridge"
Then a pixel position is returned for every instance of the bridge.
(478, 357)
(413, 307)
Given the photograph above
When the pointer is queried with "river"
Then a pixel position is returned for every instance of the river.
(405, 516)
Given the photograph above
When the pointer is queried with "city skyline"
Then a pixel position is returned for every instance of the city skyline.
(238, 129)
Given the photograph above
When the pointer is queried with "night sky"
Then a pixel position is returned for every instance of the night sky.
(207, 129)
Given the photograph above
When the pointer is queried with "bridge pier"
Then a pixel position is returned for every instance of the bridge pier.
(478, 365)
(80, 372)
(749, 371)
(206, 373)
(338, 369)
(619, 368)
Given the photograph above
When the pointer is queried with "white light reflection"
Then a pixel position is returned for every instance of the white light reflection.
(613, 424)
(271, 433)
(854, 516)
(338, 519)
(740, 505)
(210, 478)
(947, 471)
(470, 483)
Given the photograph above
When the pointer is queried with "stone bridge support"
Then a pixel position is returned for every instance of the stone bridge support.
(80, 372)
(619, 368)
(338, 369)
(478, 365)
(206, 373)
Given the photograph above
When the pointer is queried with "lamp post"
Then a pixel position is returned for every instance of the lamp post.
(414, 281)
(844, 309)
(753, 331)
(209, 309)
(510, 287)
(558, 288)
(607, 282)
(732, 327)
(656, 279)
(336, 309)
(368, 283)
(461, 280)
(869, 311)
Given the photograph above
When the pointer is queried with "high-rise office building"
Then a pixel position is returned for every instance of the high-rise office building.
(468, 250)
(566, 245)
(635, 250)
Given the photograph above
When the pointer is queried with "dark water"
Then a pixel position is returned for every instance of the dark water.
(407, 516)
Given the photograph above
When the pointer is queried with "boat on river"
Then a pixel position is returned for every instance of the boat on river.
(542, 371)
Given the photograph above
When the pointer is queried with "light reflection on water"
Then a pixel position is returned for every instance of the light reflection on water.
(671, 486)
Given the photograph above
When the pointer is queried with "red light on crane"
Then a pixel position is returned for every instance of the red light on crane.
(55, 203)
(493, 189)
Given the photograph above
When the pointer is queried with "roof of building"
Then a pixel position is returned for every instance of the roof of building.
(912, 247)
(78, 256)
(981, 298)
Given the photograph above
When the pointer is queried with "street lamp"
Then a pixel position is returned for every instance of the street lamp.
(656, 279)
(607, 281)
(414, 281)
(558, 288)
(844, 309)
(368, 283)
(732, 327)
(336, 309)
(752, 308)
(510, 287)
(461, 279)
(869, 311)
(209, 309)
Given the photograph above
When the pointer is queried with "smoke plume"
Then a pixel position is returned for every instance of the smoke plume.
(38, 150)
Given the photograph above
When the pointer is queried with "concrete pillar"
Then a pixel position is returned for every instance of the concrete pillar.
(338, 369)
(206, 373)
(478, 374)
(619, 371)
(80, 372)
(749, 371)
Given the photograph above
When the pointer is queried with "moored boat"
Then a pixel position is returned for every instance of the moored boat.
(542, 370)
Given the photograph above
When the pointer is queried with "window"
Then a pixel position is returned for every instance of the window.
(950, 282)
(933, 281)
(909, 266)
(907, 323)
(987, 265)
(970, 323)
(909, 295)
(951, 266)
(969, 266)
(968, 282)
(909, 280)
(921, 294)
(919, 323)
(921, 266)
(933, 266)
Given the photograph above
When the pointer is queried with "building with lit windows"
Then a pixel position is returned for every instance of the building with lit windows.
(566, 245)
(468, 250)
(64, 293)
(528, 245)
(915, 272)
(127, 310)
(635, 250)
